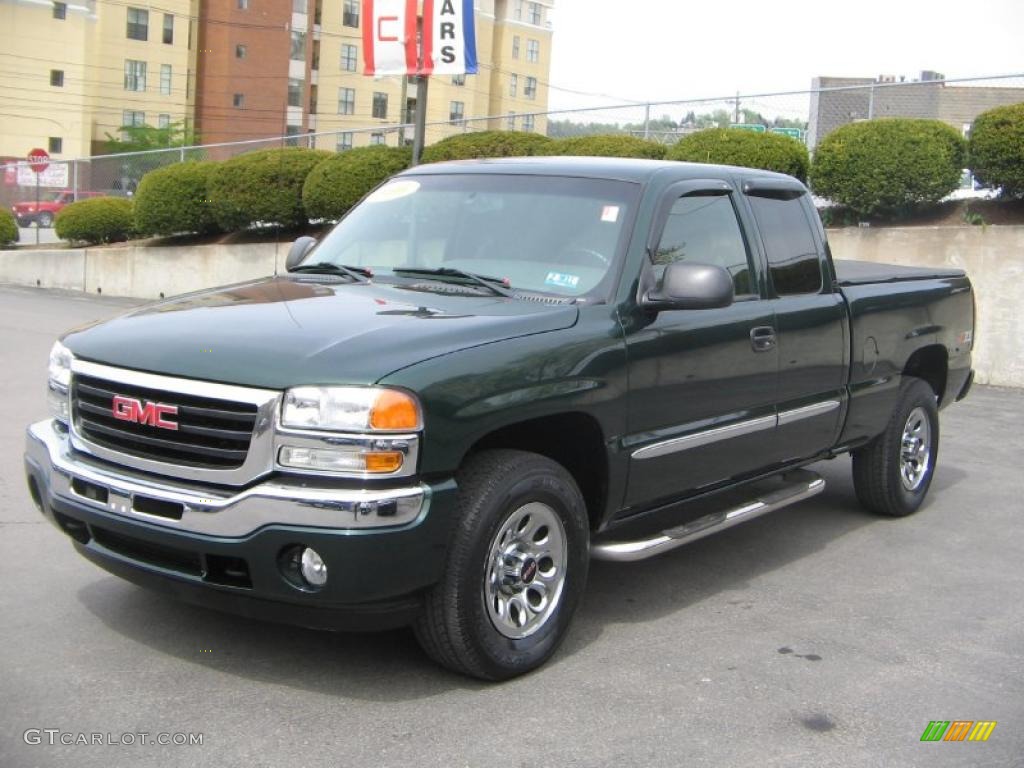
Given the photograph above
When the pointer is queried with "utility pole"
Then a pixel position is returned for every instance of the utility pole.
(736, 118)
(419, 137)
(647, 121)
(403, 111)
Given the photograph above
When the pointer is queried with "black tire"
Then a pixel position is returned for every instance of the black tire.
(45, 220)
(456, 628)
(877, 476)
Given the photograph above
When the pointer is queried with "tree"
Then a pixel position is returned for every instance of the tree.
(144, 138)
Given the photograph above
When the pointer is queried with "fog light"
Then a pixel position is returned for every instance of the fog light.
(340, 460)
(314, 569)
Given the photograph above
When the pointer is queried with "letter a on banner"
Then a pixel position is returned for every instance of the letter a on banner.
(449, 38)
(389, 37)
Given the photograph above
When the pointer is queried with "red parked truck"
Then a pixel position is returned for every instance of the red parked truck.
(50, 204)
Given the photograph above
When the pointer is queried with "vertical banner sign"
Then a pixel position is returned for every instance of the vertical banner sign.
(449, 38)
(389, 37)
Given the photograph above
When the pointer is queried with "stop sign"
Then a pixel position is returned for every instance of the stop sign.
(37, 160)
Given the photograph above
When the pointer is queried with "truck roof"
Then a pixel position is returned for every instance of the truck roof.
(618, 168)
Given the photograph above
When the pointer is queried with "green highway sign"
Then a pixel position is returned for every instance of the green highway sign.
(793, 133)
(755, 127)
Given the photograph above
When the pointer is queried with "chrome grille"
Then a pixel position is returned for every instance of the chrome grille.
(211, 433)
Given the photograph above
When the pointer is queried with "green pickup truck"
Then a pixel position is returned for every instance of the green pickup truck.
(485, 375)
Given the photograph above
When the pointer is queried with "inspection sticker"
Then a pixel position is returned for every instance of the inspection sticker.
(562, 280)
(610, 213)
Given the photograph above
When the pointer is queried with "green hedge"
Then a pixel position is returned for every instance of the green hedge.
(888, 167)
(341, 181)
(732, 146)
(607, 145)
(97, 220)
(997, 148)
(468, 146)
(175, 200)
(263, 186)
(8, 227)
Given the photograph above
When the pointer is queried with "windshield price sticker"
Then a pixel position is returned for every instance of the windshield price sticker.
(610, 214)
(562, 280)
(393, 191)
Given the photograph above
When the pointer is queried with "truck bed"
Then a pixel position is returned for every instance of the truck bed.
(862, 272)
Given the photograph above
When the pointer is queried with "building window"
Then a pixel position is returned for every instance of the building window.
(458, 80)
(294, 92)
(535, 13)
(510, 121)
(513, 85)
(292, 132)
(515, 47)
(380, 105)
(456, 111)
(60, 10)
(377, 139)
(298, 46)
(238, 100)
(527, 122)
(519, 10)
(533, 51)
(243, 5)
(169, 29)
(346, 101)
(57, 78)
(530, 91)
(349, 56)
(134, 75)
(300, 6)
(56, 145)
(165, 79)
(350, 14)
(138, 24)
(241, 51)
(132, 118)
(163, 121)
(344, 141)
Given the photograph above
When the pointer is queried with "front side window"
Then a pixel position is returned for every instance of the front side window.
(547, 234)
(380, 105)
(793, 261)
(138, 24)
(134, 75)
(346, 101)
(350, 14)
(704, 230)
(349, 56)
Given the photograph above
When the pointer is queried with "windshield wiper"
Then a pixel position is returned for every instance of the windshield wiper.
(359, 274)
(495, 284)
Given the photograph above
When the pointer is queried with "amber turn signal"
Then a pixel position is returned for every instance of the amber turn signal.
(395, 410)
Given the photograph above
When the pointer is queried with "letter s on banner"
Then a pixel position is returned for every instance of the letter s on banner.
(389, 37)
(449, 38)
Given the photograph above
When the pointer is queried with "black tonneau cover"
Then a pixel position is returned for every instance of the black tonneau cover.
(861, 272)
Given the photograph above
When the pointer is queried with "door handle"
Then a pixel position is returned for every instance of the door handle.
(762, 338)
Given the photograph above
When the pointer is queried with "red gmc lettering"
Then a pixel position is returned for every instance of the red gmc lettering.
(380, 29)
(150, 414)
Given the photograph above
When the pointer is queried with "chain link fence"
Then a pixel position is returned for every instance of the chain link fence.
(806, 115)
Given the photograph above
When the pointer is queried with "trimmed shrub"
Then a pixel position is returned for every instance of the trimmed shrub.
(341, 181)
(174, 200)
(97, 220)
(468, 146)
(263, 186)
(8, 227)
(732, 146)
(997, 149)
(888, 167)
(607, 145)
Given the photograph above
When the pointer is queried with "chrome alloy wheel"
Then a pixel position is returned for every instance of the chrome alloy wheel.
(525, 570)
(915, 449)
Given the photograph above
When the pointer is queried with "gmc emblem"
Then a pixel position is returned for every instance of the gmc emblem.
(150, 414)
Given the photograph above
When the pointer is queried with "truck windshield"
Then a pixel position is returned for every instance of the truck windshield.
(547, 234)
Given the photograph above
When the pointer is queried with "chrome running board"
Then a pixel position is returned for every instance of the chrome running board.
(801, 484)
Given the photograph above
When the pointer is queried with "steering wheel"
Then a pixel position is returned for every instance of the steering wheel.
(588, 252)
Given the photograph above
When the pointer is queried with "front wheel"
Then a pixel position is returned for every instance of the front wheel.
(516, 567)
(893, 472)
(45, 220)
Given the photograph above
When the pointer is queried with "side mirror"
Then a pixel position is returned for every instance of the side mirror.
(298, 252)
(691, 286)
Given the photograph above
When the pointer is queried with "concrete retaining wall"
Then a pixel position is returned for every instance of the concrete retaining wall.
(993, 257)
(994, 260)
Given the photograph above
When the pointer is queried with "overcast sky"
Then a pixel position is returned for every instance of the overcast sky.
(685, 49)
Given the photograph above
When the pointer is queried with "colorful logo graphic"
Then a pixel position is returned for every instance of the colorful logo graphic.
(958, 730)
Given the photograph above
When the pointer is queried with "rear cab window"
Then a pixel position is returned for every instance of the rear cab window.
(794, 261)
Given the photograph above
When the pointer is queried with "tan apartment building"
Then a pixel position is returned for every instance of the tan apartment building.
(73, 72)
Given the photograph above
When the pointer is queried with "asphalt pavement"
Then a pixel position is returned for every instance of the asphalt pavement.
(816, 636)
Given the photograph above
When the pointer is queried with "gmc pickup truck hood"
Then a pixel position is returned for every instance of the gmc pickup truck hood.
(282, 332)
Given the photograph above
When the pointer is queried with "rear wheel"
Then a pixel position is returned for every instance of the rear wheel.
(893, 472)
(516, 568)
(44, 220)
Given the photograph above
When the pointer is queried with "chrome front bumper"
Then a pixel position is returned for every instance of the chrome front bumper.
(59, 471)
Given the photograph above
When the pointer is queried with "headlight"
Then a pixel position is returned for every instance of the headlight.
(59, 379)
(356, 409)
